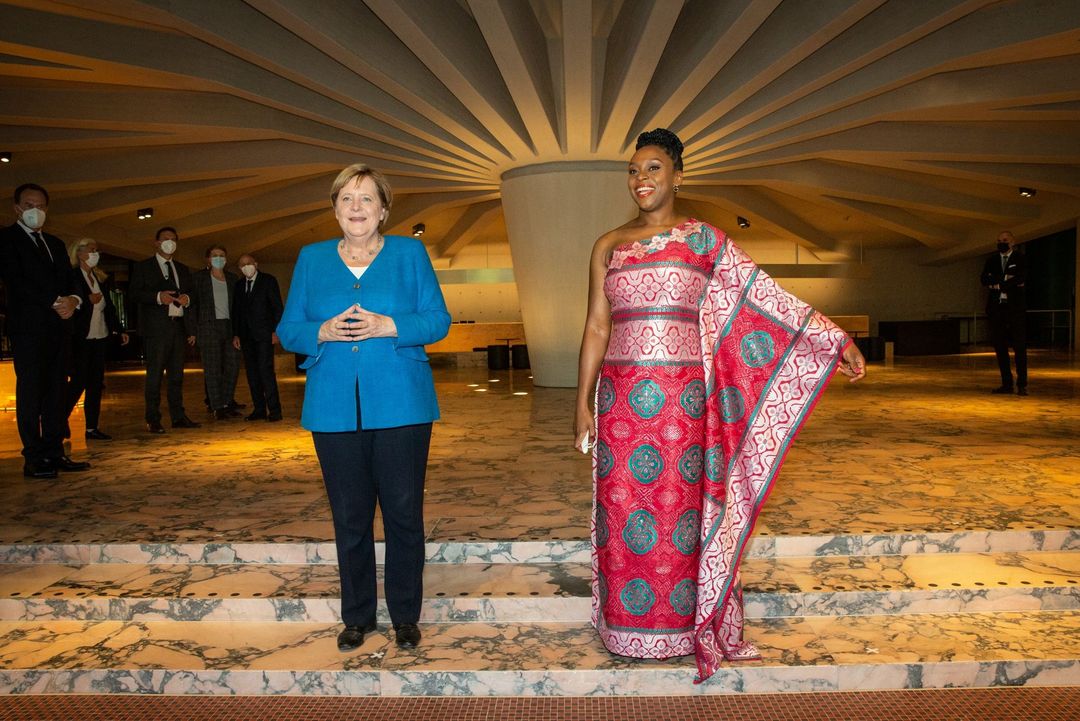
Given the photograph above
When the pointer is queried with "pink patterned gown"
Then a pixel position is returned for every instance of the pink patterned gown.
(710, 371)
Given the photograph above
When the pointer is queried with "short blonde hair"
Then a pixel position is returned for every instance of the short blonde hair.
(359, 171)
(73, 255)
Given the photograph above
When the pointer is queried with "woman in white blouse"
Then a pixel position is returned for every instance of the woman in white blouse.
(90, 335)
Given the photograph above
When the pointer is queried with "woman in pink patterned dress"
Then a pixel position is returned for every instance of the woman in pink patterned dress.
(702, 369)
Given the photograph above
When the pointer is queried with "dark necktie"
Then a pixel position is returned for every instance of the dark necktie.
(172, 272)
(42, 246)
(250, 284)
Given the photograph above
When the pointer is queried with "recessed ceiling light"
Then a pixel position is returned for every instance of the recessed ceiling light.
(743, 222)
(418, 229)
(5, 157)
(144, 213)
(1027, 192)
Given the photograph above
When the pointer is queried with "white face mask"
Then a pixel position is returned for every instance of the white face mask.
(168, 246)
(92, 259)
(218, 261)
(33, 218)
(247, 270)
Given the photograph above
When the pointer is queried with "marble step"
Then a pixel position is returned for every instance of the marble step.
(44, 550)
(800, 655)
(503, 593)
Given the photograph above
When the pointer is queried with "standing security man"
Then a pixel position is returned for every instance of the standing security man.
(1004, 274)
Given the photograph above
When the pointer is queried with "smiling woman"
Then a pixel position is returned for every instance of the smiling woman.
(362, 307)
(702, 370)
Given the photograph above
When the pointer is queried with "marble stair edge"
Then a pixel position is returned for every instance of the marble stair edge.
(500, 551)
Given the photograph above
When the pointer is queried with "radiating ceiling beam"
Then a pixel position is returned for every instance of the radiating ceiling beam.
(641, 32)
(579, 78)
(457, 54)
(468, 227)
(519, 47)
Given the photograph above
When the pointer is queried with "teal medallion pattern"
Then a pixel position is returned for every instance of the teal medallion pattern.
(757, 349)
(601, 582)
(692, 399)
(602, 532)
(683, 597)
(714, 463)
(605, 396)
(701, 242)
(687, 532)
(646, 464)
(605, 461)
(637, 597)
(647, 399)
(691, 464)
(732, 406)
(640, 535)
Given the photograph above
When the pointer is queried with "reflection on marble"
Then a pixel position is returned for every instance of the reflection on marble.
(540, 658)
(914, 450)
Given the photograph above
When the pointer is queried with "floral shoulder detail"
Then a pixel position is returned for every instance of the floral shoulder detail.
(687, 232)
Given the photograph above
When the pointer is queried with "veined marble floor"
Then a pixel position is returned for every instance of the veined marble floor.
(918, 447)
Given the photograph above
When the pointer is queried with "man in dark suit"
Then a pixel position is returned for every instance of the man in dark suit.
(1005, 274)
(256, 311)
(161, 289)
(213, 300)
(41, 302)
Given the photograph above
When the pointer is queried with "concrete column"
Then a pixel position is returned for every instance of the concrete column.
(554, 212)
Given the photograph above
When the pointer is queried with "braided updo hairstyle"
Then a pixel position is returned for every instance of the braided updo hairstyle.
(663, 138)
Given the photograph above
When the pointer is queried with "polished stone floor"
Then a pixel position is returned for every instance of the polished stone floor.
(919, 447)
(922, 534)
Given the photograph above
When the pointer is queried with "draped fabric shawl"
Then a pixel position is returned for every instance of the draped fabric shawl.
(767, 358)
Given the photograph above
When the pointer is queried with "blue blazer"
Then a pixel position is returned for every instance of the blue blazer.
(392, 374)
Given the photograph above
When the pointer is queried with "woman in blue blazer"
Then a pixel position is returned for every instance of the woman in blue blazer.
(361, 308)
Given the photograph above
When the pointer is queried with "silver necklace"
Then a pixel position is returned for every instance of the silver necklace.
(345, 249)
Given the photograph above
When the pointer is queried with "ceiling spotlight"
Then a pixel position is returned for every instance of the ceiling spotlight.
(418, 229)
(5, 157)
(144, 213)
(1027, 192)
(743, 222)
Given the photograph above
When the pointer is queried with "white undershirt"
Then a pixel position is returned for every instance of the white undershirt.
(357, 271)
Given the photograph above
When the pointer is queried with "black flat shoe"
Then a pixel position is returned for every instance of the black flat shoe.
(95, 435)
(274, 417)
(1021, 391)
(63, 463)
(407, 635)
(353, 637)
(186, 423)
(234, 406)
(39, 469)
(1003, 390)
(155, 428)
(255, 417)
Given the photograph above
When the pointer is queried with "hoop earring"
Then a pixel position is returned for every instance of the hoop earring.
(676, 189)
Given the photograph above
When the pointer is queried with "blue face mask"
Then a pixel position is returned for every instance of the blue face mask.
(218, 262)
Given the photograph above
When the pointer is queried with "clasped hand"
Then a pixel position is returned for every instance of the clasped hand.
(355, 324)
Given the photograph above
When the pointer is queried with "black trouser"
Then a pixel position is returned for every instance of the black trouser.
(360, 467)
(40, 373)
(164, 351)
(87, 373)
(1010, 328)
(221, 361)
(262, 380)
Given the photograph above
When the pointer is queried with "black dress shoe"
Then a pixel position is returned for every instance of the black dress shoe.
(219, 415)
(155, 427)
(95, 435)
(234, 406)
(1002, 390)
(63, 463)
(274, 417)
(255, 417)
(185, 422)
(39, 469)
(353, 637)
(407, 635)
(1021, 391)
